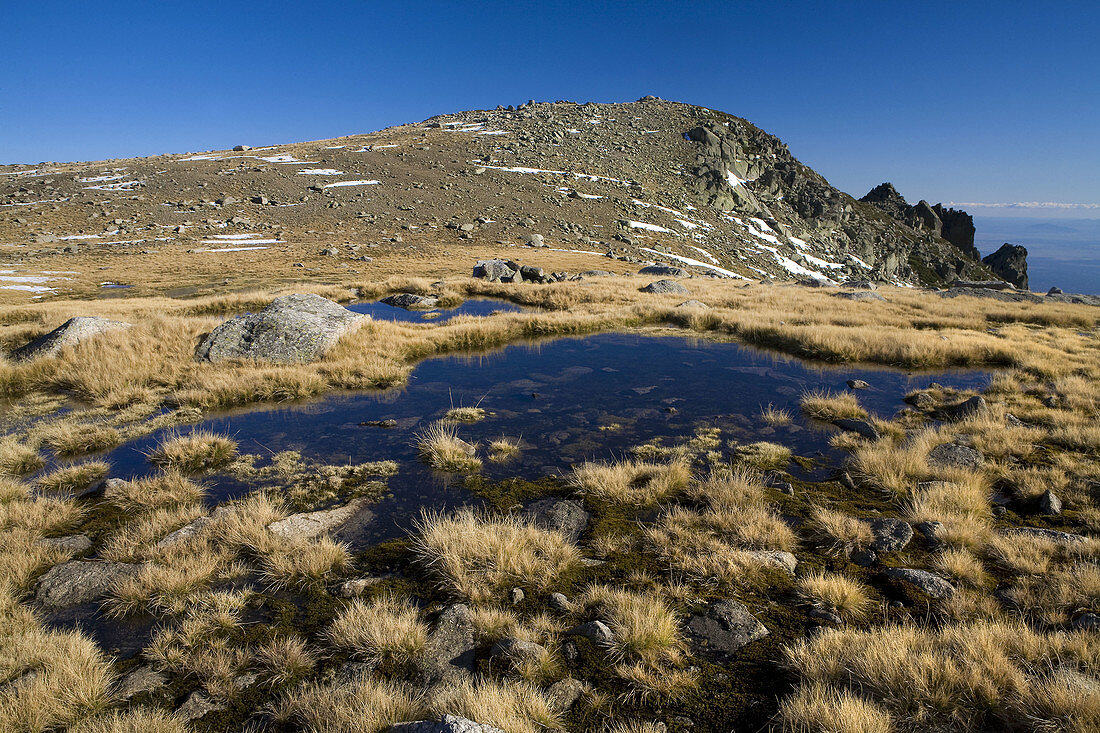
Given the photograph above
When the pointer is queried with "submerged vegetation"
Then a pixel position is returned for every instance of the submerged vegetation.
(934, 570)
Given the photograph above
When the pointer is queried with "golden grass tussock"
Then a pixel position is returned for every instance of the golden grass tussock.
(978, 675)
(285, 659)
(17, 459)
(22, 556)
(962, 566)
(442, 449)
(385, 630)
(763, 455)
(1055, 597)
(477, 555)
(199, 451)
(503, 449)
(66, 438)
(645, 627)
(168, 489)
(829, 406)
(631, 483)
(465, 414)
(847, 596)
(843, 532)
(135, 720)
(517, 707)
(820, 709)
(364, 704)
(301, 564)
(72, 479)
(775, 416)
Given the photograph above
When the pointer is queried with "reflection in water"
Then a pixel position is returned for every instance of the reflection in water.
(474, 307)
(559, 398)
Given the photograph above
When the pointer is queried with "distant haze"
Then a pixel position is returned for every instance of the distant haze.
(1061, 251)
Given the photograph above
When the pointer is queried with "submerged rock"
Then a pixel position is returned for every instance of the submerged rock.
(662, 287)
(81, 581)
(725, 627)
(294, 329)
(69, 333)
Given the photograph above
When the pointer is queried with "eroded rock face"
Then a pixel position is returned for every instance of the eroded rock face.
(294, 329)
(1010, 263)
(80, 581)
(69, 333)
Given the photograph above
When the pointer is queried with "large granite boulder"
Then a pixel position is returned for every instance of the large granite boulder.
(664, 271)
(502, 271)
(1010, 264)
(662, 287)
(69, 333)
(411, 301)
(446, 724)
(294, 329)
(451, 651)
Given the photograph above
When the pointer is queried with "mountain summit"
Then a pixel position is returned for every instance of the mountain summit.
(643, 181)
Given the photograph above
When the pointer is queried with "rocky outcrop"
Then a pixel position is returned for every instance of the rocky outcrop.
(294, 329)
(446, 724)
(666, 287)
(411, 301)
(566, 516)
(80, 581)
(957, 227)
(1010, 264)
(312, 524)
(450, 653)
(69, 333)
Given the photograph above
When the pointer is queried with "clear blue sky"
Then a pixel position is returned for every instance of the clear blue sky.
(954, 101)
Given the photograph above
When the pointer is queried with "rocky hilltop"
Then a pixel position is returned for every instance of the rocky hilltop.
(647, 181)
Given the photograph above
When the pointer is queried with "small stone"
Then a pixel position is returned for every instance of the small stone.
(890, 534)
(143, 679)
(1050, 504)
(353, 588)
(919, 583)
(826, 615)
(595, 631)
(517, 596)
(725, 627)
(860, 427)
(559, 602)
(567, 516)
(196, 706)
(865, 557)
(564, 694)
(858, 384)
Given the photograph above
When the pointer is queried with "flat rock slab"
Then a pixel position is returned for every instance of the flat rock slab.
(294, 329)
(560, 515)
(859, 427)
(410, 300)
(312, 524)
(69, 333)
(74, 543)
(953, 455)
(864, 295)
(1052, 535)
(890, 534)
(662, 287)
(664, 271)
(778, 559)
(725, 628)
(446, 724)
(919, 583)
(80, 581)
(143, 679)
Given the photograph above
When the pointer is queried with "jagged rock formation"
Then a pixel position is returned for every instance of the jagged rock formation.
(646, 182)
(1010, 264)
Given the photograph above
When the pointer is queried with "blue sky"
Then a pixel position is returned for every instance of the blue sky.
(962, 101)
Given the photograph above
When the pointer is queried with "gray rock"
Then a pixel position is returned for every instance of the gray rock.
(827, 615)
(294, 329)
(532, 274)
(865, 557)
(1052, 535)
(356, 587)
(858, 384)
(564, 694)
(185, 532)
(694, 304)
(410, 300)
(559, 602)
(567, 516)
(80, 581)
(446, 724)
(974, 406)
(663, 287)
(861, 295)
(860, 427)
(919, 584)
(953, 455)
(143, 679)
(532, 240)
(451, 649)
(241, 148)
(196, 706)
(312, 524)
(1087, 622)
(1050, 504)
(495, 270)
(784, 561)
(724, 628)
(69, 333)
(890, 534)
(981, 285)
(596, 273)
(664, 271)
(517, 650)
(1010, 263)
(594, 631)
(517, 595)
(860, 285)
(74, 543)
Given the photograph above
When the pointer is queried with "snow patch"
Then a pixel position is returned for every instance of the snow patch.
(695, 263)
(320, 172)
(647, 227)
(232, 249)
(338, 184)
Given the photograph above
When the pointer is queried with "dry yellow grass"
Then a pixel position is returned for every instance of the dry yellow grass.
(17, 459)
(775, 415)
(516, 707)
(443, 450)
(632, 483)
(819, 709)
(384, 631)
(363, 704)
(70, 439)
(846, 596)
(285, 659)
(465, 414)
(503, 448)
(199, 451)
(844, 532)
(645, 628)
(477, 556)
(827, 406)
(72, 479)
(135, 720)
(763, 455)
(166, 489)
(302, 564)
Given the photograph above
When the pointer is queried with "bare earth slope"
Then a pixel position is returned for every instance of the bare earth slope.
(644, 181)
